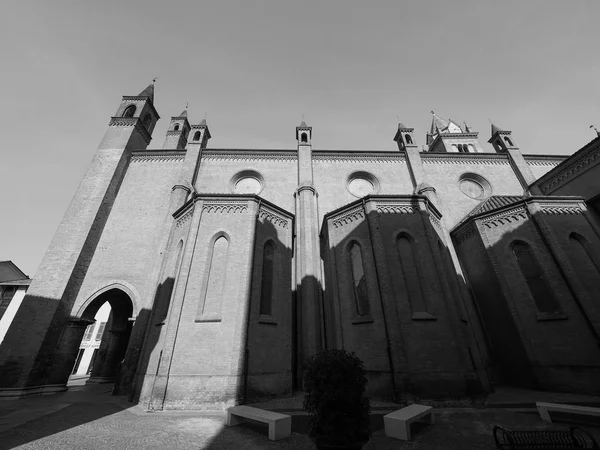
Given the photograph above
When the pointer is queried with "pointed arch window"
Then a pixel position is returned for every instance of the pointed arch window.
(588, 268)
(543, 297)
(129, 111)
(411, 274)
(408, 139)
(197, 136)
(268, 280)
(210, 309)
(359, 281)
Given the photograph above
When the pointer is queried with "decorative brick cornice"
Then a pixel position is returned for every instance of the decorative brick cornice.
(464, 233)
(359, 157)
(465, 158)
(249, 155)
(183, 219)
(353, 215)
(436, 222)
(505, 217)
(273, 217)
(544, 160)
(559, 176)
(131, 122)
(555, 209)
(224, 206)
(396, 208)
(155, 156)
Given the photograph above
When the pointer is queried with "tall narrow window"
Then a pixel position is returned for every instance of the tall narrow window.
(216, 277)
(197, 136)
(508, 141)
(92, 361)
(408, 138)
(77, 361)
(530, 269)
(359, 281)
(303, 137)
(410, 272)
(89, 332)
(588, 269)
(100, 331)
(147, 120)
(129, 111)
(266, 286)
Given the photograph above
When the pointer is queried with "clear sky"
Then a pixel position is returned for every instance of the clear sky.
(351, 67)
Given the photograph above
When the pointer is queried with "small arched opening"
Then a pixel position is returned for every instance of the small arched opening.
(197, 136)
(408, 139)
(147, 120)
(129, 111)
(304, 137)
(508, 141)
(105, 340)
(176, 127)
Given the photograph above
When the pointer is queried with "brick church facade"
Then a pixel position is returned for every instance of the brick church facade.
(445, 270)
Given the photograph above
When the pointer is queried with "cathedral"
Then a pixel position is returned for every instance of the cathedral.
(447, 266)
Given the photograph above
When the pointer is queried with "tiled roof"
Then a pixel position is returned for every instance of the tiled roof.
(495, 201)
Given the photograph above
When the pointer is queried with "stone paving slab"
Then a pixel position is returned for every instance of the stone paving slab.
(95, 420)
(511, 397)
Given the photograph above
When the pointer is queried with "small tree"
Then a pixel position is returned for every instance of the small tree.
(334, 397)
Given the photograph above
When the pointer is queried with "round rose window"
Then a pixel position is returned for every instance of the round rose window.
(247, 185)
(360, 187)
(474, 186)
(247, 182)
(361, 184)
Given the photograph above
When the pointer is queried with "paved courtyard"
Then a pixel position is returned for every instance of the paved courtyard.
(90, 418)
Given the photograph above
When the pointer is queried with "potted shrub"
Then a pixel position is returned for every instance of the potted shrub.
(334, 386)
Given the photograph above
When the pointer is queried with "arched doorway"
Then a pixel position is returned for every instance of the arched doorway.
(115, 333)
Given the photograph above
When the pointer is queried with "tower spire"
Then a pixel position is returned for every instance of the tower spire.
(149, 91)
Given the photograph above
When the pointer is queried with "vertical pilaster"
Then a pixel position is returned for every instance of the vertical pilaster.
(159, 388)
(308, 266)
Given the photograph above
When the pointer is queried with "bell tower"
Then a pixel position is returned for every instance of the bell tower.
(133, 123)
(178, 132)
(502, 140)
(46, 356)
(405, 137)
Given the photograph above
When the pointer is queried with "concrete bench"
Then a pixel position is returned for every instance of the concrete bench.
(280, 425)
(545, 408)
(397, 424)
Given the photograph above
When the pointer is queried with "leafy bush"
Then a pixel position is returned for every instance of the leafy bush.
(334, 387)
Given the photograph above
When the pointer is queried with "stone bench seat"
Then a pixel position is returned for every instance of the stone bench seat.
(545, 408)
(397, 424)
(280, 425)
